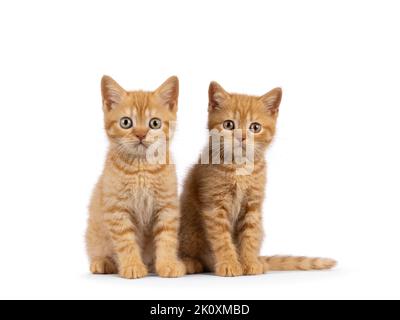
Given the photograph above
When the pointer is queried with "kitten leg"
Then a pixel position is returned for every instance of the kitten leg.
(193, 265)
(219, 235)
(123, 231)
(250, 234)
(165, 233)
(103, 266)
(99, 250)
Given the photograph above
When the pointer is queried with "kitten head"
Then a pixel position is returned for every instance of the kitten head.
(246, 120)
(136, 120)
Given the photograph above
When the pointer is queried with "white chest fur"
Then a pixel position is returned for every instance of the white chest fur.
(237, 204)
(142, 202)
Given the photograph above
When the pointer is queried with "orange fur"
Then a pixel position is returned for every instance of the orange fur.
(221, 226)
(134, 212)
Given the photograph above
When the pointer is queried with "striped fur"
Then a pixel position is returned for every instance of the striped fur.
(289, 263)
(221, 223)
(134, 212)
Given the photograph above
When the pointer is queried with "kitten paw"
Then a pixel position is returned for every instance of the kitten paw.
(229, 269)
(252, 268)
(103, 266)
(193, 266)
(171, 269)
(134, 271)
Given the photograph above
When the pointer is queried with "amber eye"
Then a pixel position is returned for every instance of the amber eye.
(255, 127)
(229, 125)
(126, 123)
(155, 123)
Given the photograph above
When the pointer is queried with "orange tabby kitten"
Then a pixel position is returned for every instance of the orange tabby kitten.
(134, 213)
(221, 227)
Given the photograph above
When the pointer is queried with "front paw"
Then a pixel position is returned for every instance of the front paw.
(170, 269)
(133, 271)
(252, 268)
(229, 269)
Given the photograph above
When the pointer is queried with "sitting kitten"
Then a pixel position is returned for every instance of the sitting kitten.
(134, 213)
(221, 227)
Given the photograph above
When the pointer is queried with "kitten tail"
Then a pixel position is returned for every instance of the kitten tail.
(289, 263)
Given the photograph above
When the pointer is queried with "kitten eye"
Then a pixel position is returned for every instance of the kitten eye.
(255, 127)
(229, 125)
(155, 123)
(126, 123)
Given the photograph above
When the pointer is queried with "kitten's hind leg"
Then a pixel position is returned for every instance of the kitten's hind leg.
(103, 266)
(193, 265)
(99, 250)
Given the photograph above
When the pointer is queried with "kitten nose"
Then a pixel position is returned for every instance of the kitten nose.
(141, 134)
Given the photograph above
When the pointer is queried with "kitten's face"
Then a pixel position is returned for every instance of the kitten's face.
(138, 120)
(249, 121)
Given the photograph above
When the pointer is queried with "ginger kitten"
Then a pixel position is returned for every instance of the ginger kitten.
(221, 222)
(134, 212)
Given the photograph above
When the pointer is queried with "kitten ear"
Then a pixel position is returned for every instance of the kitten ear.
(216, 96)
(112, 93)
(168, 93)
(272, 100)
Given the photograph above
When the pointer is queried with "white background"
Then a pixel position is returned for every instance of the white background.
(334, 174)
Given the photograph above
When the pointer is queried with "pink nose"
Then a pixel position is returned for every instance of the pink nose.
(141, 137)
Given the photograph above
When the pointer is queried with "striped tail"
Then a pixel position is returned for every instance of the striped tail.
(289, 263)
